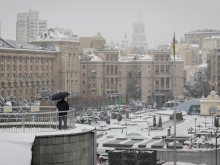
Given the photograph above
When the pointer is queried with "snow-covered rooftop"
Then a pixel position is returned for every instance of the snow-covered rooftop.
(52, 35)
(13, 44)
(195, 45)
(203, 31)
(212, 37)
(203, 65)
(145, 58)
(95, 58)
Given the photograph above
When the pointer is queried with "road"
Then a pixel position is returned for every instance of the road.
(198, 157)
(207, 157)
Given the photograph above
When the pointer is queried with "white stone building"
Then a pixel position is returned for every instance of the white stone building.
(139, 38)
(28, 25)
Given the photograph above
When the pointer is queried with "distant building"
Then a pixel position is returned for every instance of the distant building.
(125, 41)
(209, 43)
(195, 37)
(148, 78)
(139, 38)
(213, 60)
(28, 25)
(98, 42)
(85, 42)
(68, 33)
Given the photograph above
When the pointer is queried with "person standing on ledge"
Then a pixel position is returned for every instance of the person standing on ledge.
(62, 105)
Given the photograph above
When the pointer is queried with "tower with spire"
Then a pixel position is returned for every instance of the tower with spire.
(139, 38)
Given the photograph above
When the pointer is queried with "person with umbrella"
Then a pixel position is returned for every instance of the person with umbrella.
(62, 105)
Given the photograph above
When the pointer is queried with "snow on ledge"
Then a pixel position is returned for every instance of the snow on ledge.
(16, 147)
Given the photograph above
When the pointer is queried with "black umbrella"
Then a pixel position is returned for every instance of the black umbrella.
(60, 95)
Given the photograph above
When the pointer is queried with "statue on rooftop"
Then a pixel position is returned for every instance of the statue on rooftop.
(213, 85)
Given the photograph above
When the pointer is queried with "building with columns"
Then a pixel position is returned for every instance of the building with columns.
(139, 38)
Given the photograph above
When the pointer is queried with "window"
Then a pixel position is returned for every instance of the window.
(83, 82)
(83, 74)
(84, 67)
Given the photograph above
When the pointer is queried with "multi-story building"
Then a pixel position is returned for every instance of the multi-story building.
(25, 69)
(100, 76)
(213, 61)
(67, 67)
(148, 78)
(68, 33)
(139, 38)
(53, 63)
(195, 37)
(28, 25)
(209, 43)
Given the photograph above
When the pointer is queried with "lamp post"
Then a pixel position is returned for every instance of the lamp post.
(216, 147)
(205, 119)
(195, 124)
(126, 127)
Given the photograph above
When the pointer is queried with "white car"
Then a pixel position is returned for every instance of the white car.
(103, 156)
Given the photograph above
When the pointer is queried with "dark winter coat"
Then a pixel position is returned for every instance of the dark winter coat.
(62, 105)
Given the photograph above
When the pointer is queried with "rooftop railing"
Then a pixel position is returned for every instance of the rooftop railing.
(27, 119)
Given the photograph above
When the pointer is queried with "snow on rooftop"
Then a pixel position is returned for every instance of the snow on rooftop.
(51, 33)
(195, 45)
(95, 58)
(212, 37)
(203, 65)
(145, 58)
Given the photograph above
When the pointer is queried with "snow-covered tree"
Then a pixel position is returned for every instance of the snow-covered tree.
(108, 120)
(216, 122)
(159, 122)
(127, 114)
(154, 121)
(119, 118)
(44, 95)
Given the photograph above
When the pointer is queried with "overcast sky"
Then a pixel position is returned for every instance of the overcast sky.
(114, 18)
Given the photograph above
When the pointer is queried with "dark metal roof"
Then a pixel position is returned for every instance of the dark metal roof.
(22, 45)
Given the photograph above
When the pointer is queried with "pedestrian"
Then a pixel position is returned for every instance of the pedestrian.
(100, 160)
(62, 105)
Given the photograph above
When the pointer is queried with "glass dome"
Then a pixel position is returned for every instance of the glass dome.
(190, 105)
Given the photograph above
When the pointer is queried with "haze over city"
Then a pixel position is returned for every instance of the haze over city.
(106, 82)
(114, 18)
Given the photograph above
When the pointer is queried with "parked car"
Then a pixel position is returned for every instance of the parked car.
(104, 156)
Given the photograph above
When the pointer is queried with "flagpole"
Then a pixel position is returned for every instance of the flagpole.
(174, 94)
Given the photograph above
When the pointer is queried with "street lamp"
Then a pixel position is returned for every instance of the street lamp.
(126, 127)
(216, 147)
(195, 123)
(148, 129)
(205, 119)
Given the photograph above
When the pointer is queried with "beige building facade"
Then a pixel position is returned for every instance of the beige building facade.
(52, 62)
(213, 61)
(210, 105)
(208, 44)
(195, 37)
(148, 78)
